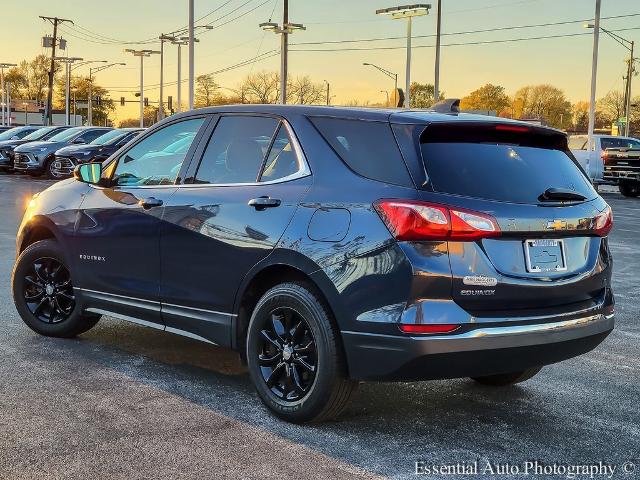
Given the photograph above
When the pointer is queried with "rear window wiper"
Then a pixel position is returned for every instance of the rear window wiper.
(560, 194)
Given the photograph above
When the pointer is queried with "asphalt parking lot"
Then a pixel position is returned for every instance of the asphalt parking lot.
(122, 401)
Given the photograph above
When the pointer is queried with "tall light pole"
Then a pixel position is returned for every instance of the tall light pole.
(408, 12)
(594, 74)
(284, 30)
(629, 45)
(436, 81)
(4, 99)
(89, 85)
(67, 85)
(163, 38)
(387, 92)
(191, 56)
(391, 75)
(180, 42)
(141, 54)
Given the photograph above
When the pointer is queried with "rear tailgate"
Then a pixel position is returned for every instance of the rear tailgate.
(550, 252)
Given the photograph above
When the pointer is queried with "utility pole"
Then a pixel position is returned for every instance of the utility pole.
(285, 30)
(436, 82)
(191, 56)
(328, 97)
(4, 98)
(141, 54)
(55, 21)
(180, 42)
(627, 93)
(594, 74)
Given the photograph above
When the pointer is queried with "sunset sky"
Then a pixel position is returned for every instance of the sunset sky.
(562, 61)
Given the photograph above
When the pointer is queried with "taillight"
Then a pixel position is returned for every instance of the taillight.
(427, 329)
(603, 222)
(413, 220)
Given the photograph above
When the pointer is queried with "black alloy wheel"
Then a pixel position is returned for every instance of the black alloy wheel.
(287, 354)
(47, 291)
(295, 356)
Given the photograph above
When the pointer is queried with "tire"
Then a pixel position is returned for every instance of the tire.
(290, 327)
(505, 379)
(41, 274)
(629, 188)
(49, 170)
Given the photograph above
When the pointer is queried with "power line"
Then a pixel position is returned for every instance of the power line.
(466, 32)
(479, 42)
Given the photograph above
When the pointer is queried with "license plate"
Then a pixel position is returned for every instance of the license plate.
(545, 255)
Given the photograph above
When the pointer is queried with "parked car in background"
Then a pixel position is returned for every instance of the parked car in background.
(36, 158)
(67, 158)
(16, 133)
(578, 146)
(353, 244)
(7, 147)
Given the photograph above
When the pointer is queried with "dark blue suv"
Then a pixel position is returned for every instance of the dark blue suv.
(331, 245)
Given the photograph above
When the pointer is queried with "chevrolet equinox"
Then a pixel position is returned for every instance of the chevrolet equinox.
(330, 246)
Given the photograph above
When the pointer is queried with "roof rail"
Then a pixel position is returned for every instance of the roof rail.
(448, 105)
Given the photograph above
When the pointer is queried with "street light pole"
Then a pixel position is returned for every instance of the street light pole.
(328, 87)
(391, 75)
(191, 56)
(436, 81)
(4, 97)
(141, 54)
(67, 85)
(594, 73)
(408, 12)
(285, 30)
(627, 106)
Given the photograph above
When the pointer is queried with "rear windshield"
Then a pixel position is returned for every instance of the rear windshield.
(506, 165)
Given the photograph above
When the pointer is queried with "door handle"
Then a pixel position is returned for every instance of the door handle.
(150, 202)
(261, 203)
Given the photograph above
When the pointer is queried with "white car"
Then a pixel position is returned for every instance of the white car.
(578, 146)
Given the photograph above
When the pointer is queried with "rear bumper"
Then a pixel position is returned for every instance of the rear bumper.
(481, 351)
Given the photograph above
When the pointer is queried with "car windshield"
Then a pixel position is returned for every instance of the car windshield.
(9, 134)
(40, 133)
(108, 137)
(66, 134)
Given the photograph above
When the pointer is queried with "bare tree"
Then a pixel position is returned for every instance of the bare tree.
(304, 92)
(612, 105)
(544, 102)
(262, 87)
(206, 91)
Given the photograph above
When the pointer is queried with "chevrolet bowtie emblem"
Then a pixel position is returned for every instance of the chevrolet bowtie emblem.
(556, 224)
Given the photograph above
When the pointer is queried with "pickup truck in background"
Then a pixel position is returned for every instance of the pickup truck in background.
(622, 167)
(578, 146)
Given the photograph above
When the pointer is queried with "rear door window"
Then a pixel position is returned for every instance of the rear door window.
(506, 165)
(367, 147)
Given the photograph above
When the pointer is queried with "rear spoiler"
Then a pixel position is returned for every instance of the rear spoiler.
(448, 105)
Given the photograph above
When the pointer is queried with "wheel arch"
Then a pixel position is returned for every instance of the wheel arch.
(281, 267)
(38, 228)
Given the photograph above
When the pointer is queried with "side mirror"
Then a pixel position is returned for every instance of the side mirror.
(15, 137)
(78, 141)
(88, 173)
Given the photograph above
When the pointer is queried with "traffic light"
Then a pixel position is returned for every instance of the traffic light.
(146, 102)
(122, 100)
